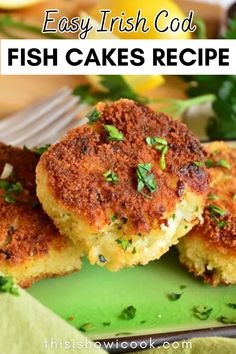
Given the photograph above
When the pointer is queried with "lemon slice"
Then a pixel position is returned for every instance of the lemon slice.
(139, 83)
(17, 4)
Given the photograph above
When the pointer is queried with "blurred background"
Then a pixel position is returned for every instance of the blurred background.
(206, 104)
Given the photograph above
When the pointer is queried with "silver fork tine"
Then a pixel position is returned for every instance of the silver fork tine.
(44, 122)
(35, 111)
(59, 126)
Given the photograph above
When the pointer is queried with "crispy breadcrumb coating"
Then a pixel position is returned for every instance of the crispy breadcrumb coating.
(89, 184)
(31, 248)
(209, 250)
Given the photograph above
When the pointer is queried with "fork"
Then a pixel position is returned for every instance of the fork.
(43, 122)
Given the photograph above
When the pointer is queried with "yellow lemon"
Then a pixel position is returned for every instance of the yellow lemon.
(17, 4)
(149, 9)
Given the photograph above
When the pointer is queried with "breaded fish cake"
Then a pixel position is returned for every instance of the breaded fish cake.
(126, 186)
(209, 250)
(31, 248)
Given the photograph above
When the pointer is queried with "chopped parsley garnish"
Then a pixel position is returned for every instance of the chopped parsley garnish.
(128, 313)
(234, 197)
(198, 163)
(114, 218)
(111, 177)
(134, 250)
(40, 150)
(155, 140)
(86, 327)
(220, 163)
(11, 190)
(7, 285)
(202, 312)
(160, 145)
(212, 197)
(102, 259)
(183, 286)
(174, 296)
(232, 305)
(145, 180)
(222, 223)
(124, 243)
(209, 163)
(113, 133)
(223, 163)
(105, 324)
(227, 320)
(93, 115)
(215, 210)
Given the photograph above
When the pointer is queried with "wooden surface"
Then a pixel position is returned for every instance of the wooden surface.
(18, 91)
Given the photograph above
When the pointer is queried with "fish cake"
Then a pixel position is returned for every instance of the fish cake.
(126, 186)
(31, 247)
(209, 250)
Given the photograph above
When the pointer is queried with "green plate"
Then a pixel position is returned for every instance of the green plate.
(96, 296)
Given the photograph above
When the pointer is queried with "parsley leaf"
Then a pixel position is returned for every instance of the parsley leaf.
(86, 327)
(11, 190)
(212, 197)
(198, 163)
(202, 312)
(113, 133)
(40, 150)
(220, 163)
(227, 320)
(105, 324)
(7, 285)
(222, 223)
(111, 177)
(114, 218)
(232, 305)
(209, 163)
(160, 145)
(145, 180)
(223, 163)
(215, 210)
(174, 296)
(125, 244)
(128, 313)
(93, 115)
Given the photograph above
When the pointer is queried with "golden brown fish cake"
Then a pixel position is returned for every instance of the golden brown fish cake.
(31, 248)
(94, 185)
(209, 250)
